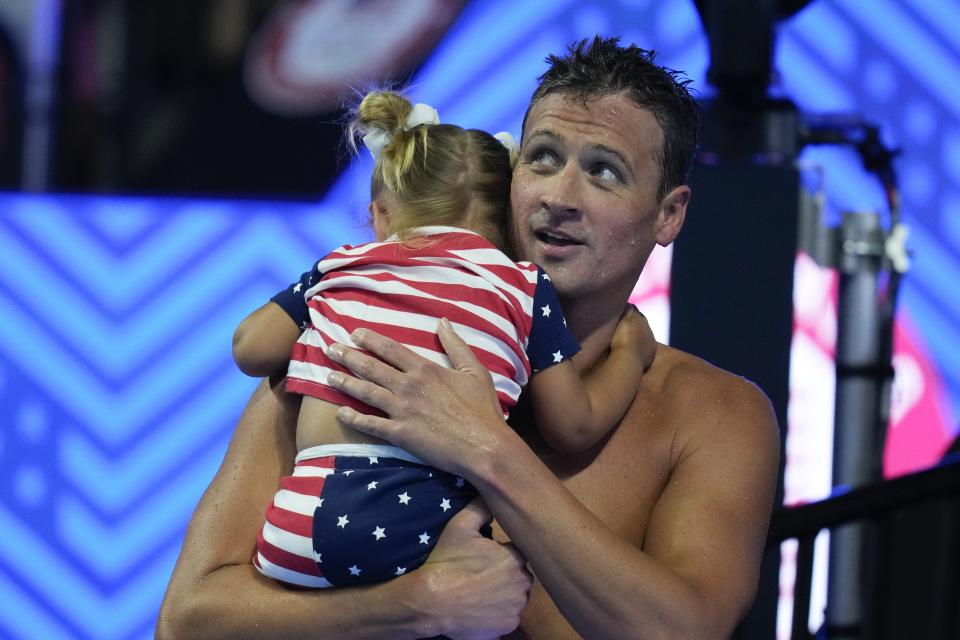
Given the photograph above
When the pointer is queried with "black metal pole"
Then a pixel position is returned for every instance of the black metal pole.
(858, 428)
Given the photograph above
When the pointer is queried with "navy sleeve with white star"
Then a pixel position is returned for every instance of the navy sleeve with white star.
(550, 342)
(292, 298)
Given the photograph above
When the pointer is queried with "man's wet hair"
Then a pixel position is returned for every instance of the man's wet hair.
(602, 67)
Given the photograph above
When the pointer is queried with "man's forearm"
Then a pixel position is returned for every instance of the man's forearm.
(234, 602)
(604, 586)
(470, 588)
(696, 573)
(216, 592)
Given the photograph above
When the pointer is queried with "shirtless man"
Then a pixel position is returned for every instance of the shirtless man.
(656, 532)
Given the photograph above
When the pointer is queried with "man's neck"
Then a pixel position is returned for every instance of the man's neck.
(592, 322)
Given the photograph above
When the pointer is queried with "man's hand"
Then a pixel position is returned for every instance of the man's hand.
(633, 332)
(447, 417)
(481, 585)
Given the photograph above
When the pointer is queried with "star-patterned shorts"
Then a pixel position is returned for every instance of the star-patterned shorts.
(353, 514)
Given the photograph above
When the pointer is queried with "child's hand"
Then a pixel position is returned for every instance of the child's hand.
(633, 332)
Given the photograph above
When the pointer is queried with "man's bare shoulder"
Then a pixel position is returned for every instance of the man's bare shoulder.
(687, 378)
(705, 401)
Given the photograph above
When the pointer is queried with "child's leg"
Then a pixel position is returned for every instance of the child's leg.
(285, 544)
(354, 514)
(381, 516)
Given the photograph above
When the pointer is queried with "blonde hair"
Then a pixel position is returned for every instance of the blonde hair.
(438, 174)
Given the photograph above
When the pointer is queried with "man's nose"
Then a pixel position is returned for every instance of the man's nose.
(563, 192)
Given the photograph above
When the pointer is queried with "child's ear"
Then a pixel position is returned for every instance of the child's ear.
(380, 218)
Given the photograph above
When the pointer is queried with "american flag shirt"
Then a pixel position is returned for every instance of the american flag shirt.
(358, 513)
(508, 312)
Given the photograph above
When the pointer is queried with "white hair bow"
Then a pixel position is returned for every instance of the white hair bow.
(376, 139)
(507, 140)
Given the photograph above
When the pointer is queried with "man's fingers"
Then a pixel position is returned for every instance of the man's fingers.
(519, 557)
(387, 349)
(366, 391)
(461, 356)
(463, 359)
(632, 309)
(521, 561)
(371, 425)
(473, 516)
(363, 365)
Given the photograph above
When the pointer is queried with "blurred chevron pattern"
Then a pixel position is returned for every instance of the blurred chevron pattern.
(117, 390)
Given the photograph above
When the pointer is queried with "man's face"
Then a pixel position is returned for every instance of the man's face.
(584, 193)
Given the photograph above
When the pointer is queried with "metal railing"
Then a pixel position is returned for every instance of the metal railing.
(877, 507)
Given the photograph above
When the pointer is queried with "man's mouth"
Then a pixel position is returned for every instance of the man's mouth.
(555, 238)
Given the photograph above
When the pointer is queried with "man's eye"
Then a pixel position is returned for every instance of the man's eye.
(605, 173)
(542, 157)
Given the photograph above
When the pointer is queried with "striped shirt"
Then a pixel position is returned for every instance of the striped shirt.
(506, 311)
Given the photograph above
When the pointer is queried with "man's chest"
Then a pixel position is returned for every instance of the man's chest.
(621, 478)
(619, 481)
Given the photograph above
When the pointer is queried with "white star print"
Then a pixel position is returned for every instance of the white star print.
(318, 560)
(459, 483)
(320, 503)
(424, 538)
(348, 472)
(404, 498)
(297, 288)
(342, 522)
(546, 310)
(355, 570)
(546, 277)
(445, 504)
(400, 571)
(379, 533)
(372, 485)
(374, 460)
(557, 356)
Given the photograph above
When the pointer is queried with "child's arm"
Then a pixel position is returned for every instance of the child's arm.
(573, 413)
(263, 340)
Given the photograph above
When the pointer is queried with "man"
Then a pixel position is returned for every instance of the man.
(655, 532)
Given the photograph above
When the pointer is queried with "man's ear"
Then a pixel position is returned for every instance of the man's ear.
(673, 211)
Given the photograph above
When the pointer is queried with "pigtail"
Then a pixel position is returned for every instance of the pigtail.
(438, 174)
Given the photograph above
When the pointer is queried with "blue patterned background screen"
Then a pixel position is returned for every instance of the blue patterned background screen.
(117, 389)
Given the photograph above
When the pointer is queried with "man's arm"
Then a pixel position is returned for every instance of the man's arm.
(471, 587)
(696, 574)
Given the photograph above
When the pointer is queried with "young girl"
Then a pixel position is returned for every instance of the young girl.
(357, 509)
